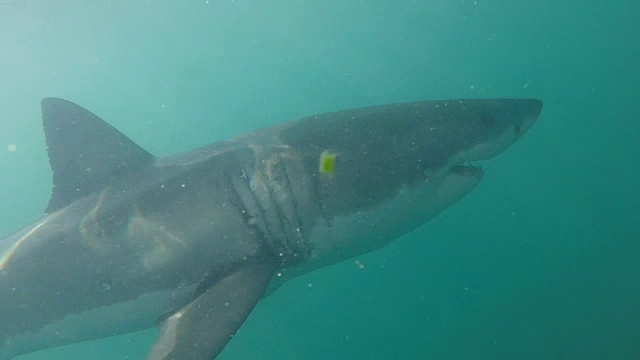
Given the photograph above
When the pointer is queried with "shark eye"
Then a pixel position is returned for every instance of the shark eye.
(516, 130)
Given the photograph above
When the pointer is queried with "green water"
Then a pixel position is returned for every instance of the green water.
(542, 260)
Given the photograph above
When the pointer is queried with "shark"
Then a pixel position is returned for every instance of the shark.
(190, 243)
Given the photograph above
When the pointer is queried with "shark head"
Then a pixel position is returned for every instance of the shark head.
(394, 167)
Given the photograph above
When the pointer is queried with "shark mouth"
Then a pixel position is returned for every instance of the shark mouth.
(466, 169)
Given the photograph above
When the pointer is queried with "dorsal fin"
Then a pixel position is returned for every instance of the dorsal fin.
(85, 152)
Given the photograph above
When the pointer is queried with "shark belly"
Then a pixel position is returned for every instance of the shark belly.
(109, 320)
(348, 235)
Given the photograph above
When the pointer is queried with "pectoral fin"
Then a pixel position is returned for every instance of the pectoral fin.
(202, 328)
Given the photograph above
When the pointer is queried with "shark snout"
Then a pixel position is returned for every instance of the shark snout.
(530, 110)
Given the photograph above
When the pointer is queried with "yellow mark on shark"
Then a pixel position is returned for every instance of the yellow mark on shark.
(327, 163)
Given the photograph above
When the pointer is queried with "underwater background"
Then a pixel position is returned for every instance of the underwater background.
(542, 260)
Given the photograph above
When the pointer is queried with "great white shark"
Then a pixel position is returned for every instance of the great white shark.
(191, 242)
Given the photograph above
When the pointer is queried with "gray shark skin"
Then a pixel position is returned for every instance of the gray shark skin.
(191, 242)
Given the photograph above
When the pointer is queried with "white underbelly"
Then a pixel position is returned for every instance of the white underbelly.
(120, 318)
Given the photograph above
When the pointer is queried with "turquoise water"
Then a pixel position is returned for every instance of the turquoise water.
(542, 260)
